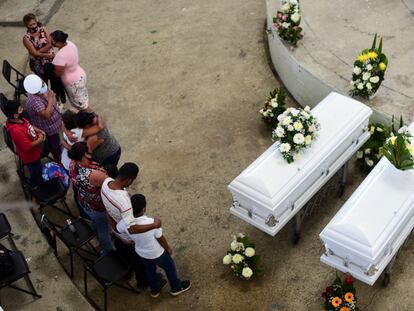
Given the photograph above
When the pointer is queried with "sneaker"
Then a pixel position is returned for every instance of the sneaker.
(185, 286)
(155, 294)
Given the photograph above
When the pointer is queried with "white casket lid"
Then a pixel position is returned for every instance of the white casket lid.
(370, 217)
(337, 115)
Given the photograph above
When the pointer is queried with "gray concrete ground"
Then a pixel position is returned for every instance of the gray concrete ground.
(180, 84)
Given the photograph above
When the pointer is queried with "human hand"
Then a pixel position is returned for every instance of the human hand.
(169, 250)
(157, 222)
(50, 94)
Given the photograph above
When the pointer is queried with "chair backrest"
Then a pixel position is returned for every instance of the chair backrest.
(6, 70)
(17, 84)
(3, 101)
(46, 223)
(7, 140)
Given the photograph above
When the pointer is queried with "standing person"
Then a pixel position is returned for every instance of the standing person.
(27, 140)
(118, 206)
(87, 176)
(154, 250)
(38, 43)
(43, 112)
(66, 65)
(104, 146)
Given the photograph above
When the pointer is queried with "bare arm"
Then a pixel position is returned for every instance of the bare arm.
(65, 144)
(59, 70)
(144, 228)
(93, 142)
(46, 114)
(163, 241)
(94, 129)
(97, 178)
(32, 51)
(47, 47)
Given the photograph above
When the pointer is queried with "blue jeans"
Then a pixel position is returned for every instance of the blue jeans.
(35, 172)
(112, 159)
(167, 264)
(101, 226)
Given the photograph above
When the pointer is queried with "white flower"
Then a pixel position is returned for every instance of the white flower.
(357, 70)
(284, 147)
(261, 111)
(247, 272)
(273, 102)
(369, 162)
(265, 113)
(295, 17)
(308, 139)
(285, 25)
(294, 2)
(234, 245)
(369, 86)
(367, 151)
(307, 109)
(290, 128)
(298, 139)
(366, 76)
(280, 132)
(227, 259)
(369, 67)
(281, 117)
(295, 112)
(374, 79)
(359, 154)
(237, 258)
(403, 130)
(297, 126)
(312, 128)
(287, 120)
(296, 156)
(360, 86)
(285, 8)
(241, 235)
(351, 83)
(249, 252)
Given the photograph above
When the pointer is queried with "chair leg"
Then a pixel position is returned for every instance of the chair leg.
(30, 285)
(71, 263)
(67, 207)
(105, 299)
(85, 281)
(11, 241)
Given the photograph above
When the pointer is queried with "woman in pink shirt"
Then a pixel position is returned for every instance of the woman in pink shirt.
(67, 67)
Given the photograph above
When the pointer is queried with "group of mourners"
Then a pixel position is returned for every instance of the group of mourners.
(85, 149)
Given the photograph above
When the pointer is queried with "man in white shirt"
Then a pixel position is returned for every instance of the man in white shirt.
(154, 250)
(118, 206)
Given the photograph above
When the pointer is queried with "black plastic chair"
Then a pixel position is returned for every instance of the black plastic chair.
(21, 270)
(108, 270)
(5, 230)
(3, 101)
(17, 82)
(74, 241)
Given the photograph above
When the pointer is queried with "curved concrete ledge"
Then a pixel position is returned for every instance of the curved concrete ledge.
(312, 71)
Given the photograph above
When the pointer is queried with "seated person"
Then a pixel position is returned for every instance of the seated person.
(154, 251)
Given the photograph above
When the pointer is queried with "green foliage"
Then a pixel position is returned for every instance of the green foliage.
(273, 106)
(287, 22)
(340, 294)
(399, 152)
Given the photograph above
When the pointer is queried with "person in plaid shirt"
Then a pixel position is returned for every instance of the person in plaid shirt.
(43, 112)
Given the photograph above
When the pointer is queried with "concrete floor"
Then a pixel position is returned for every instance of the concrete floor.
(180, 84)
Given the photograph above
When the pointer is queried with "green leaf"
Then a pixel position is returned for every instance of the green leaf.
(374, 43)
(380, 46)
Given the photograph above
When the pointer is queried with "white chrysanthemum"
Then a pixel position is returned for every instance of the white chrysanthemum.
(281, 117)
(367, 151)
(273, 102)
(280, 132)
(265, 113)
(374, 79)
(359, 155)
(369, 67)
(369, 162)
(307, 109)
(249, 252)
(290, 128)
(366, 76)
(297, 126)
(351, 83)
(237, 258)
(308, 139)
(360, 86)
(285, 25)
(298, 139)
(357, 70)
(297, 156)
(295, 112)
(312, 128)
(261, 111)
(284, 147)
(305, 115)
(234, 245)
(247, 272)
(285, 8)
(227, 259)
(293, 2)
(295, 17)
(369, 86)
(287, 120)
(241, 235)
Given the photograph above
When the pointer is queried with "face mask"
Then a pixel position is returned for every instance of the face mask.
(34, 29)
(43, 90)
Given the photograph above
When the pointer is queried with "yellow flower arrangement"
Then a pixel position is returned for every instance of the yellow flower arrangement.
(382, 66)
(349, 297)
(344, 309)
(336, 302)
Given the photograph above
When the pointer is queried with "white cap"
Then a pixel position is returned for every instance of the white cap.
(32, 84)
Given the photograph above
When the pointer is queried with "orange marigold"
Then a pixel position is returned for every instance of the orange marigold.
(336, 302)
(349, 297)
(344, 309)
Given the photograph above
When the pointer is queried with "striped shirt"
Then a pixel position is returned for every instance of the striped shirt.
(35, 104)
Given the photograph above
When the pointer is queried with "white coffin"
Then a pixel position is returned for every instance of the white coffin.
(269, 192)
(372, 225)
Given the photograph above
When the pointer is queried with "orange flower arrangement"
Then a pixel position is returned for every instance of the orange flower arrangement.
(349, 297)
(336, 302)
(344, 309)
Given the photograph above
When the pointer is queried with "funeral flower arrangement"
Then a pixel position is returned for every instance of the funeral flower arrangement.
(287, 21)
(296, 130)
(398, 149)
(369, 155)
(340, 296)
(273, 106)
(369, 69)
(242, 257)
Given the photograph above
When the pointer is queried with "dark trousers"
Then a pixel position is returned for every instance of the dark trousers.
(112, 159)
(134, 261)
(35, 172)
(55, 82)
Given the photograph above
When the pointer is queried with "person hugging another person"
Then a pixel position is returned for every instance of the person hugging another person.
(66, 65)
(154, 250)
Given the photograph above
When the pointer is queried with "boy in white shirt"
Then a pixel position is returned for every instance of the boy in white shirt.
(154, 250)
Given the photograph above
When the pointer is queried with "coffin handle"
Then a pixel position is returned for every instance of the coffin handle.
(271, 220)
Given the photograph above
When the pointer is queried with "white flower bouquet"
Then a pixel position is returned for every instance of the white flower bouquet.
(287, 21)
(242, 257)
(273, 106)
(296, 130)
(369, 70)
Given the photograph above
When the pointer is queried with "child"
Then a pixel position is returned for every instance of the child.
(27, 140)
(154, 250)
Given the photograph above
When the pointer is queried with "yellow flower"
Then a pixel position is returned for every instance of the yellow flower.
(372, 130)
(362, 57)
(382, 66)
(349, 297)
(336, 302)
(393, 139)
(372, 55)
(344, 309)
(410, 148)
